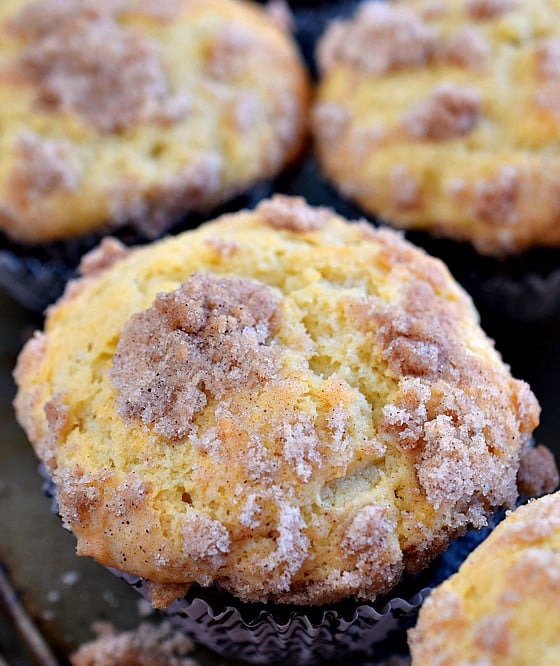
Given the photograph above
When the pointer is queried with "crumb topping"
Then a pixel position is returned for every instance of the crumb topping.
(493, 635)
(292, 547)
(330, 120)
(128, 495)
(449, 112)
(42, 168)
(206, 542)
(538, 473)
(379, 39)
(533, 523)
(180, 194)
(148, 645)
(194, 345)
(223, 247)
(495, 200)
(482, 10)
(280, 12)
(547, 53)
(405, 189)
(107, 253)
(227, 56)
(467, 48)
(81, 60)
(292, 214)
(78, 494)
(371, 539)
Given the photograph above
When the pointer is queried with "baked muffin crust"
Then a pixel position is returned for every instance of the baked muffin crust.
(292, 406)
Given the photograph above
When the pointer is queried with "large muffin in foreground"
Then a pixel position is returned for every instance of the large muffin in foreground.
(443, 116)
(291, 406)
(502, 607)
(137, 112)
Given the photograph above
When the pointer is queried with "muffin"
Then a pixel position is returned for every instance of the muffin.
(502, 606)
(133, 113)
(287, 406)
(443, 116)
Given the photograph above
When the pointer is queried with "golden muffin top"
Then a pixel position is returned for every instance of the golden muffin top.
(138, 111)
(444, 116)
(501, 608)
(292, 406)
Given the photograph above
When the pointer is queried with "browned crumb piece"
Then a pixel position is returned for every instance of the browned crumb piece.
(467, 48)
(78, 494)
(405, 189)
(42, 167)
(292, 214)
(149, 645)
(330, 120)
(194, 344)
(163, 595)
(227, 57)
(538, 473)
(280, 12)
(107, 253)
(547, 53)
(379, 39)
(223, 247)
(482, 10)
(81, 60)
(494, 200)
(152, 212)
(450, 111)
(371, 539)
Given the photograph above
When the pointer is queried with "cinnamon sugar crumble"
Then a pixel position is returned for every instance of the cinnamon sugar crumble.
(292, 547)
(154, 211)
(467, 48)
(495, 200)
(194, 345)
(128, 496)
(330, 120)
(405, 189)
(78, 494)
(371, 539)
(227, 55)
(81, 60)
(223, 247)
(279, 11)
(482, 10)
(379, 39)
(538, 473)
(547, 54)
(105, 255)
(148, 645)
(449, 112)
(292, 214)
(493, 635)
(205, 541)
(42, 167)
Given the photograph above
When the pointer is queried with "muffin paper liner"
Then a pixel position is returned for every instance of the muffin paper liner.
(258, 635)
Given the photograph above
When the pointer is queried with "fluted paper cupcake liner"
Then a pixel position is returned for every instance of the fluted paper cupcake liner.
(265, 634)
